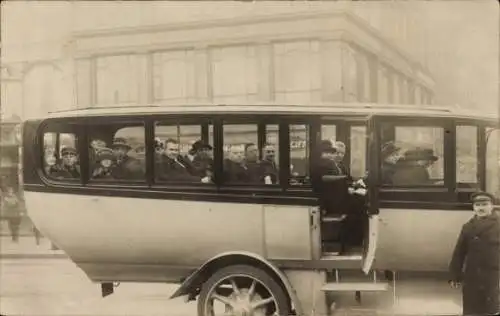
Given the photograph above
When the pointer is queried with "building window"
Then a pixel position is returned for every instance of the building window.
(116, 79)
(234, 74)
(173, 76)
(297, 73)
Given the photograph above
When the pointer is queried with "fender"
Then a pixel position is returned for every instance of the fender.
(198, 277)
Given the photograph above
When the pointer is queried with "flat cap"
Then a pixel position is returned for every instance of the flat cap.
(482, 196)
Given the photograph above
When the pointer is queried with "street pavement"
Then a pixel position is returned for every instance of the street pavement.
(42, 287)
(27, 248)
(36, 280)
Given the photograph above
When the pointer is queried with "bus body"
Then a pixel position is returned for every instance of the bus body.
(143, 229)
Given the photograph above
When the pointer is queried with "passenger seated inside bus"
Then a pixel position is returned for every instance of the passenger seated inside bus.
(69, 167)
(391, 161)
(269, 170)
(235, 166)
(413, 168)
(171, 166)
(105, 162)
(200, 159)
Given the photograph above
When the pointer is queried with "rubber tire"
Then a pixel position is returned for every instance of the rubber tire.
(279, 294)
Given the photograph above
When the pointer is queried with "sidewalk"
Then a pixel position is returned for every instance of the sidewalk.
(26, 248)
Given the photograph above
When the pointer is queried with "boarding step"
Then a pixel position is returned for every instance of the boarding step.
(332, 247)
(355, 287)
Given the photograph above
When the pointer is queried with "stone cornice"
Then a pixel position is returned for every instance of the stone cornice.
(255, 29)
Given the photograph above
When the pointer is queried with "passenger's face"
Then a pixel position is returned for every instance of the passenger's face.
(339, 155)
(393, 158)
(98, 144)
(269, 153)
(50, 159)
(425, 163)
(120, 151)
(172, 150)
(237, 154)
(483, 208)
(252, 153)
(106, 163)
(69, 159)
(328, 155)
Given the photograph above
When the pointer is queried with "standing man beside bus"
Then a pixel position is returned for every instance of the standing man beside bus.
(475, 263)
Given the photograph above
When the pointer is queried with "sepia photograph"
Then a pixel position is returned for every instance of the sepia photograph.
(250, 158)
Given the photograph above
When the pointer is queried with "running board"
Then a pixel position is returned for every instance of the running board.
(355, 286)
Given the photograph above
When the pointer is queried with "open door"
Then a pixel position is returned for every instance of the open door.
(373, 163)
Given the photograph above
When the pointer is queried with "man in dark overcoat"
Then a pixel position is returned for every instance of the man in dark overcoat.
(475, 263)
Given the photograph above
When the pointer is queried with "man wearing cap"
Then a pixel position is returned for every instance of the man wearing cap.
(125, 167)
(475, 263)
(69, 168)
(105, 159)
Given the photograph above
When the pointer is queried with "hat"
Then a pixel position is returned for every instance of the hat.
(199, 145)
(420, 154)
(120, 142)
(68, 150)
(105, 153)
(482, 196)
(389, 148)
(326, 147)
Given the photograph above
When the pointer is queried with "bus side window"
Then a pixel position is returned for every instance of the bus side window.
(241, 154)
(299, 155)
(413, 157)
(182, 154)
(61, 158)
(493, 162)
(117, 153)
(466, 156)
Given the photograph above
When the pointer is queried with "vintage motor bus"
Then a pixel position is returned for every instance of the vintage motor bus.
(252, 247)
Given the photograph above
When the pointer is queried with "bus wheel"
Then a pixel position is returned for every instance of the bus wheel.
(242, 290)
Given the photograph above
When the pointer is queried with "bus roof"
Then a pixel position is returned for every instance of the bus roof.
(345, 109)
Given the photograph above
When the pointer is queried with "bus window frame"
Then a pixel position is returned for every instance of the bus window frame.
(204, 122)
(261, 124)
(481, 154)
(449, 161)
(58, 126)
(122, 122)
(314, 125)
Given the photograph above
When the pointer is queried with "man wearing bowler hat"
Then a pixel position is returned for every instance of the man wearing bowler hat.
(475, 263)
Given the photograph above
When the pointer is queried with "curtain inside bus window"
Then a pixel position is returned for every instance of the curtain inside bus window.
(493, 162)
(358, 151)
(466, 157)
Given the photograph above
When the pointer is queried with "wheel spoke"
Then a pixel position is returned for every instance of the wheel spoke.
(235, 286)
(252, 289)
(222, 299)
(262, 302)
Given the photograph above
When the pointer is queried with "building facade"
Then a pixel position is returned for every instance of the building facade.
(302, 58)
(306, 57)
